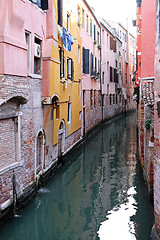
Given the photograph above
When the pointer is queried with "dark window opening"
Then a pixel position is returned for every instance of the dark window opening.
(37, 56)
(86, 61)
(60, 12)
(111, 74)
(43, 4)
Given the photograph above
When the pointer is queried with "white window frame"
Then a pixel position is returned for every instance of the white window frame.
(79, 54)
(69, 113)
(28, 42)
(68, 22)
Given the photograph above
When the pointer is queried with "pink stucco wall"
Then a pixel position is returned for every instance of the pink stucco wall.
(148, 38)
(108, 56)
(88, 43)
(16, 16)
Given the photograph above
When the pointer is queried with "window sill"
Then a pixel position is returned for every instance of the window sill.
(70, 124)
(35, 5)
(38, 76)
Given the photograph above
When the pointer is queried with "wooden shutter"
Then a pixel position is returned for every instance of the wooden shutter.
(60, 12)
(69, 68)
(94, 32)
(95, 64)
(115, 71)
(86, 61)
(110, 74)
(72, 69)
(91, 63)
(44, 4)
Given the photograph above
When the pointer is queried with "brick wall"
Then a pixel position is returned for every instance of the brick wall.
(31, 121)
(157, 126)
(93, 110)
(7, 142)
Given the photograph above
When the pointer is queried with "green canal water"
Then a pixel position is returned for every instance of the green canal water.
(98, 194)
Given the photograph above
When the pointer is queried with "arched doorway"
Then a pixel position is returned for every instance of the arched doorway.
(61, 139)
(40, 147)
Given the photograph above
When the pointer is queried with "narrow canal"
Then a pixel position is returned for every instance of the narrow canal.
(98, 194)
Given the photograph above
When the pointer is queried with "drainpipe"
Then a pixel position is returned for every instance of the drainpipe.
(14, 194)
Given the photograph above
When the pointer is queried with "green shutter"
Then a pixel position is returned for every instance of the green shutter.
(83, 60)
(87, 61)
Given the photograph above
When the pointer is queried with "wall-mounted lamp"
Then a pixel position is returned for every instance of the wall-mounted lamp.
(158, 108)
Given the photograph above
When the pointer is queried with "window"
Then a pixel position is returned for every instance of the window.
(110, 99)
(87, 23)
(79, 54)
(79, 16)
(103, 36)
(86, 61)
(28, 42)
(113, 98)
(112, 44)
(79, 89)
(103, 78)
(98, 42)
(111, 75)
(60, 12)
(68, 23)
(94, 32)
(41, 3)
(61, 58)
(107, 89)
(37, 56)
(116, 63)
(69, 113)
(115, 76)
(107, 66)
(91, 27)
(99, 66)
(95, 64)
(70, 69)
(84, 97)
(83, 18)
(92, 67)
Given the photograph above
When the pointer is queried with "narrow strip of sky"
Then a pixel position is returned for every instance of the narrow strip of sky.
(115, 10)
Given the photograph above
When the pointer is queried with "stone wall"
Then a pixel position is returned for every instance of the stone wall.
(20, 124)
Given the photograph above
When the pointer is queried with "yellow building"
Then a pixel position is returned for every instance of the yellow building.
(62, 76)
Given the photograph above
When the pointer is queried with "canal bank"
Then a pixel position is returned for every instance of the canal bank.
(31, 190)
(100, 189)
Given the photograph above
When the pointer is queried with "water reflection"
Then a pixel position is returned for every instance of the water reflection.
(120, 216)
(96, 194)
